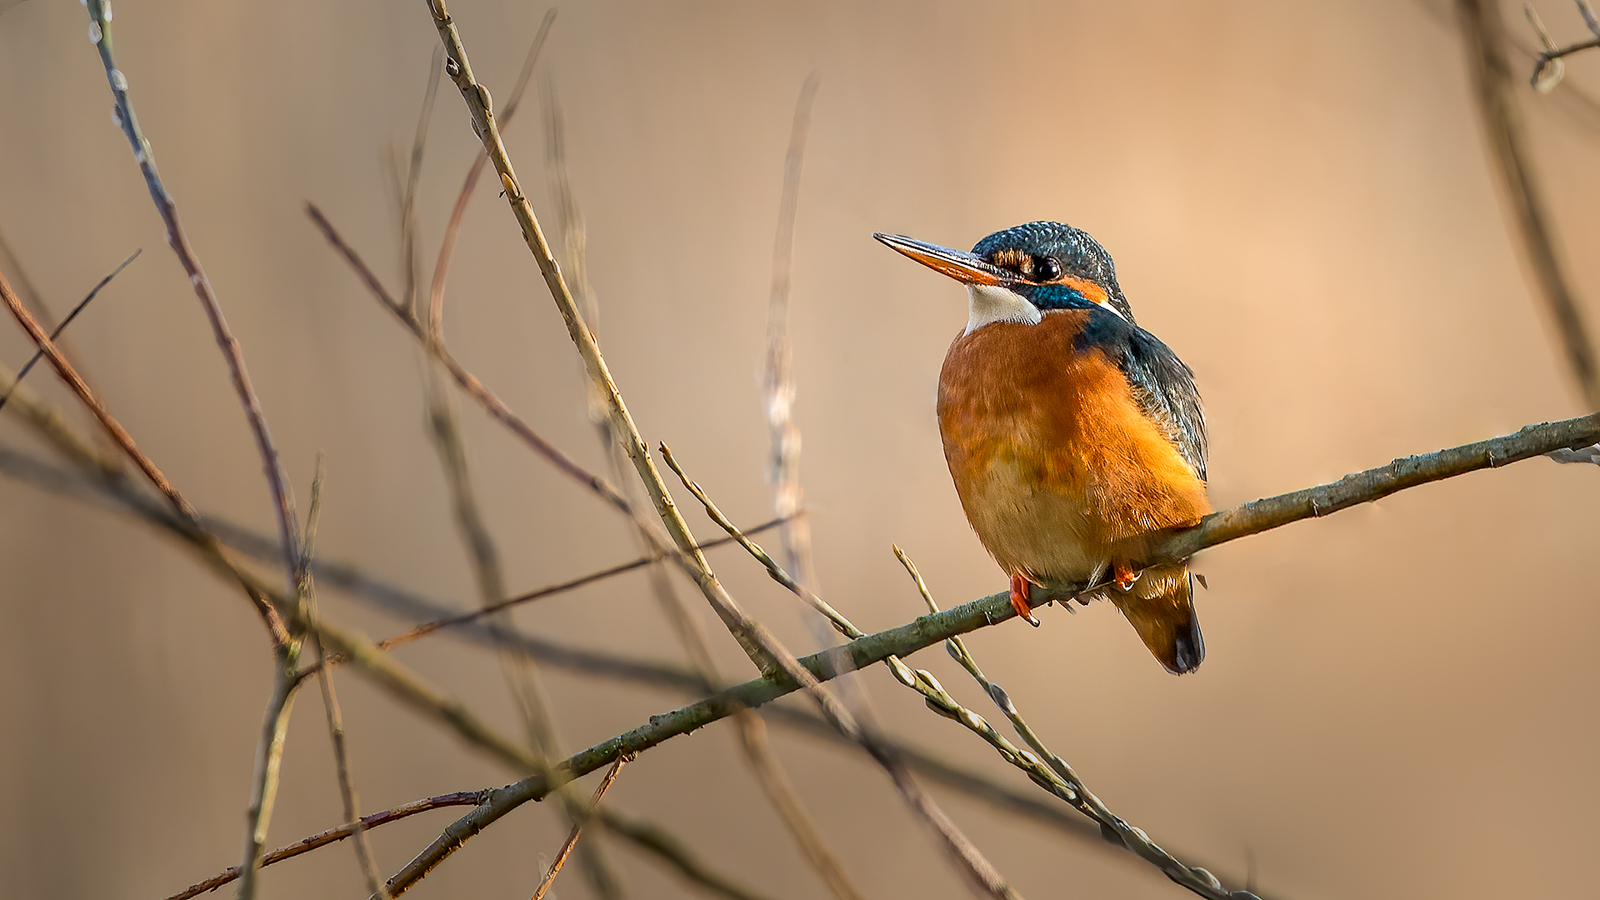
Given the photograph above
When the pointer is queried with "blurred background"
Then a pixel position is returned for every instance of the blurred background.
(1397, 700)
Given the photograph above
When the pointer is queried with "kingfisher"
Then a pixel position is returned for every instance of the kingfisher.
(1075, 438)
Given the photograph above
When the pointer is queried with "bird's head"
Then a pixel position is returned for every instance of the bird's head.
(1018, 274)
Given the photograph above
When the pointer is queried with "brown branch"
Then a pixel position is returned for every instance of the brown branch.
(577, 829)
(1497, 108)
(332, 835)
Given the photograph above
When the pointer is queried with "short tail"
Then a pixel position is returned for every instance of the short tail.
(1160, 606)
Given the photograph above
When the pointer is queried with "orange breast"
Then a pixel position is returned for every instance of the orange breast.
(1057, 467)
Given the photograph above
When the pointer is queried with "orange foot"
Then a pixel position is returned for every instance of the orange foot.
(1019, 600)
(1123, 575)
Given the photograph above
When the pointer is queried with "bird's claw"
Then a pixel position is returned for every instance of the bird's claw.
(1123, 576)
(1020, 589)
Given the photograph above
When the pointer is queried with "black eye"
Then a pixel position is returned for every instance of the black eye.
(1046, 268)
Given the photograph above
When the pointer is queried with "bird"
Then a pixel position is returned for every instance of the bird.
(1076, 439)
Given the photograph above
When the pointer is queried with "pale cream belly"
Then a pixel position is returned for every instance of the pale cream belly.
(1043, 534)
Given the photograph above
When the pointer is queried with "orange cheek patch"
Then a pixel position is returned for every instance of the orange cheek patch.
(1091, 292)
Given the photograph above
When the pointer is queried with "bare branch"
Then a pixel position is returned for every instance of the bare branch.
(324, 838)
(752, 731)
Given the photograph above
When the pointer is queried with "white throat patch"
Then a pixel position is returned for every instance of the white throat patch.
(991, 303)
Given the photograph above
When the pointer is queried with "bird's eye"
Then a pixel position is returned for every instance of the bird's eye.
(1046, 268)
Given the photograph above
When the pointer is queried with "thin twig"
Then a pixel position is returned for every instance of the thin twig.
(1053, 774)
(1497, 108)
(48, 422)
(100, 31)
(55, 333)
(407, 189)
(452, 229)
(332, 835)
(1548, 68)
(577, 829)
(572, 584)
(667, 847)
(330, 702)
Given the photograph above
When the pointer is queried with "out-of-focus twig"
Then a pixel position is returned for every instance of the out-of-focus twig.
(187, 518)
(1497, 108)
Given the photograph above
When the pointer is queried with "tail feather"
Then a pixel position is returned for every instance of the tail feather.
(1160, 607)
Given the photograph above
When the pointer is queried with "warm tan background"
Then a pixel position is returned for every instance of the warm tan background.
(1399, 701)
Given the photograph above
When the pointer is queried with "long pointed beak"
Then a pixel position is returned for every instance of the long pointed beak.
(964, 267)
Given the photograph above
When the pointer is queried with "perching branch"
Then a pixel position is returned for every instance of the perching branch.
(1058, 778)
(1374, 484)
(1251, 518)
